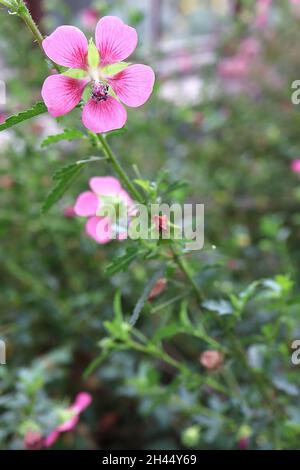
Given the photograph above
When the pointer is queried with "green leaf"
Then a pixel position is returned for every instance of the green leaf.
(67, 134)
(93, 55)
(38, 108)
(63, 179)
(167, 331)
(122, 262)
(144, 184)
(113, 69)
(75, 73)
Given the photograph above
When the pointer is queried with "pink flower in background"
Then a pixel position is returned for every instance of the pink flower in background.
(239, 65)
(233, 67)
(101, 66)
(211, 359)
(262, 13)
(89, 17)
(82, 401)
(295, 166)
(106, 191)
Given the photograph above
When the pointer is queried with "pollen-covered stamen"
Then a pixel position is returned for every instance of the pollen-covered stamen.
(99, 91)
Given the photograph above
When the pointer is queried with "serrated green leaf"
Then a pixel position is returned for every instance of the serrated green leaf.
(113, 69)
(75, 73)
(93, 55)
(67, 134)
(63, 178)
(38, 108)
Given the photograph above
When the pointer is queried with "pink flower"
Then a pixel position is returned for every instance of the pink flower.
(211, 359)
(262, 13)
(295, 166)
(89, 17)
(106, 194)
(233, 67)
(100, 65)
(82, 401)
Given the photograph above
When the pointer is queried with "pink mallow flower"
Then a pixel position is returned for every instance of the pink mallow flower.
(82, 401)
(99, 65)
(295, 166)
(106, 199)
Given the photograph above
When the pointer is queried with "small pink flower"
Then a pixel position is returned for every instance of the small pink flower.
(106, 192)
(211, 359)
(89, 18)
(82, 401)
(101, 66)
(295, 166)
(262, 13)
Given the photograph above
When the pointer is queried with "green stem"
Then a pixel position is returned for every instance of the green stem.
(24, 13)
(182, 265)
(118, 169)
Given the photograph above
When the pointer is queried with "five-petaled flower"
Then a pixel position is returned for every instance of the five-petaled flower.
(98, 65)
(108, 208)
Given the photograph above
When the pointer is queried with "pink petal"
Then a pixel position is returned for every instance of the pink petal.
(68, 425)
(82, 401)
(134, 85)
(105, 185)
(67, 46)
(51, 439)
(61, 93)
(104, 116)
(103, 231)
(86, 204)
(114, 40)
(91, 230)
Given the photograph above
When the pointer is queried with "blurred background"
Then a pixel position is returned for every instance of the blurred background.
(221, 118)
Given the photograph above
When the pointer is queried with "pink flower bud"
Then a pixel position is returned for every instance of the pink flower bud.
(158, 288)
(211, 359)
